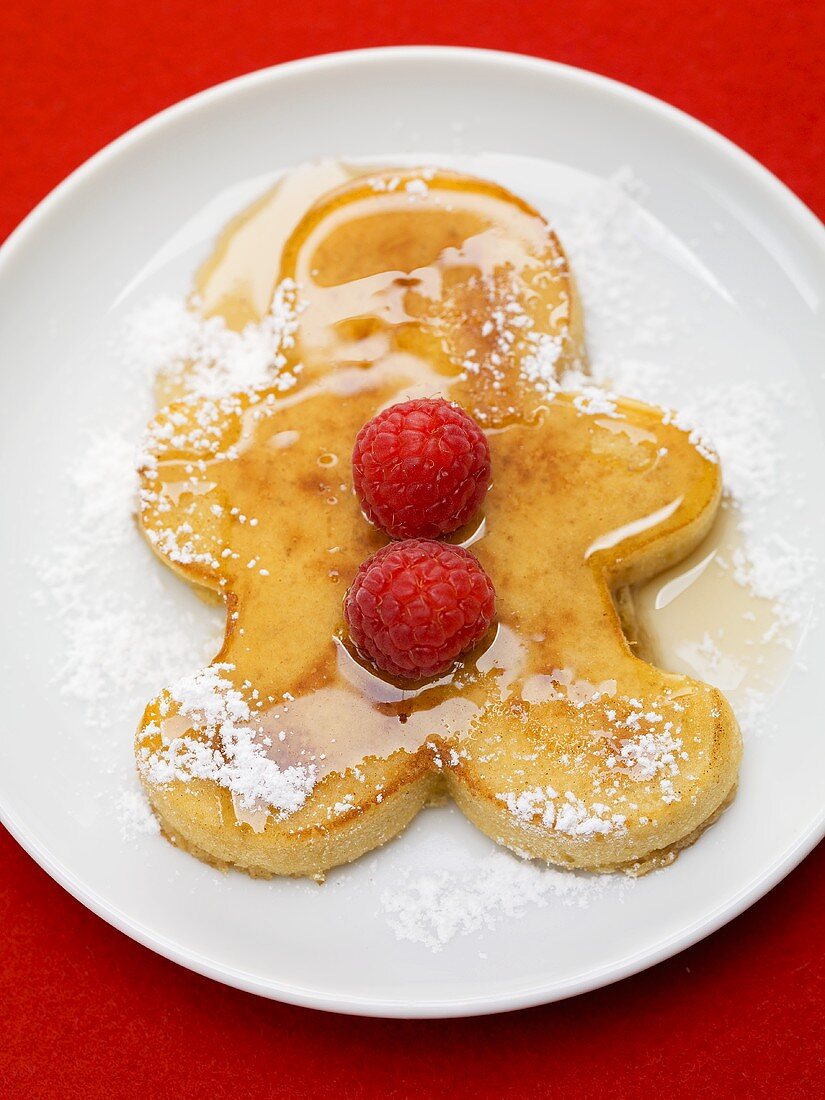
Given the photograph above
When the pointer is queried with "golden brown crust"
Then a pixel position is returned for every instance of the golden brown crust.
(668, 828)
(585, 502)
(200, 817)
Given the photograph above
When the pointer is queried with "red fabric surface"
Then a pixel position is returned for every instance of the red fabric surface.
(86, 1012)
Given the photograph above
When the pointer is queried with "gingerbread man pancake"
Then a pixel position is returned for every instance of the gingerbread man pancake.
(289, 754)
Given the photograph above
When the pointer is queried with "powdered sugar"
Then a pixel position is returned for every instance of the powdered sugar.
(739, 422)
(119, 652)
(113, 650)
(775, 570)
(136, 817)
(227, 749)
(565, 814)
(203, 356)
(434, 907)
(647, 754)
(736, 420)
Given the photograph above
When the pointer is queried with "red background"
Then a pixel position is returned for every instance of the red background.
(86, 1012)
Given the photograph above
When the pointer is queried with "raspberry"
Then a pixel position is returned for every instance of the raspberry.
(421, 468)
(415, 606)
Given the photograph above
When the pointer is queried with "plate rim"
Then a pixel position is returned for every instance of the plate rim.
(812, 228)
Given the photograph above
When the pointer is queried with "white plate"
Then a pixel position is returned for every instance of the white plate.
(741, 251)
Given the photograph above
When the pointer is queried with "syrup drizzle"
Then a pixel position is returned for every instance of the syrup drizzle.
(373, 334)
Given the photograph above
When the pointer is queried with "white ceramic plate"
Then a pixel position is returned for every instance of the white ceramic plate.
(745, 262)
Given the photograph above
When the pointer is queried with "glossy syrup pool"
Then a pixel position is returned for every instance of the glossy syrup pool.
(695, 618)
(391, 336)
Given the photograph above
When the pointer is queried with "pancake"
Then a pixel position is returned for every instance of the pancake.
(287, 755)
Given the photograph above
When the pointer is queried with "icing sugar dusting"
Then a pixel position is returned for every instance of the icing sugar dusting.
(738, 420)
(228, 751)
(136, 818)
(112, 651)
(631, 325)
(203, 356)
(434, 907)
(119, 654)
(568, 814)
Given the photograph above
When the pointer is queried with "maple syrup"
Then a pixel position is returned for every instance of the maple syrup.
(399, 292)
(696, 619)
